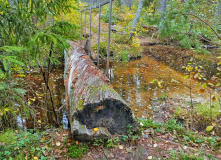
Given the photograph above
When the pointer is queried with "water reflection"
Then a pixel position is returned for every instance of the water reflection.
(132, 80)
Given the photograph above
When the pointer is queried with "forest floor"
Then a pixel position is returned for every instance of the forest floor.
(151, 144)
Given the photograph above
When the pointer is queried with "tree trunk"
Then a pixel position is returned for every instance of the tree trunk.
(91, 102)
(218, 10)
(163, 5)
(138, 13)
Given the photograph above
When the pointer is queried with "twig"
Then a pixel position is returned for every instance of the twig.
(52, 102)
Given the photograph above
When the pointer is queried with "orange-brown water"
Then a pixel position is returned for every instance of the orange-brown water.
(132, 80)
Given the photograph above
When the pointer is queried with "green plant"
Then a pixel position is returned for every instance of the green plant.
(148, 123)
(122, 39)
(16, 143)
(174, 155)
(98, 142)
(124, 137)
(204, 109)
(105, 17)
(102, 49)
(172, 124)
(77, 151)
(114, 142)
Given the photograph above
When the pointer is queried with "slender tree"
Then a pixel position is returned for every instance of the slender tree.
(138, 13)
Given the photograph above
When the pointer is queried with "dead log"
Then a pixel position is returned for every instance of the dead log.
(91, 102)
(149, 43)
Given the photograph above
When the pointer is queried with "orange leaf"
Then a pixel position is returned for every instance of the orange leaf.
(202, 90)
(214, 123)
(76, 142)
(213, 98)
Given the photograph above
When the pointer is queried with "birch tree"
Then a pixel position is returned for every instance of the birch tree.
(138, 13)
(163, 5)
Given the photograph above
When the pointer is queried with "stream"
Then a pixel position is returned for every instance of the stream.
(132, 80)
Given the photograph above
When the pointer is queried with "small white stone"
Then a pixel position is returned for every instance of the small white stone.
(155, 145)
(149, 157)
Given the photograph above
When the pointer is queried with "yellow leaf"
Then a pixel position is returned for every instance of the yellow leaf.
(39, 121)
(32, 99)
(95, 129)
(153, 81)
(196, 68)
(209, 128)
(219, 63)
(204, 85)
(159, 84)
(186, 77)
(29, 102)
(36, 158)
(189, 68)
(43, 139)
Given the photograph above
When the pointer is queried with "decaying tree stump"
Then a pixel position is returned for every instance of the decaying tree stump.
(91, 102)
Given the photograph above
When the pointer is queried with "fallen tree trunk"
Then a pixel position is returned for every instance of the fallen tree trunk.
(91, 102)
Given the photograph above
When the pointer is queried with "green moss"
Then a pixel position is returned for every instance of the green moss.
(81, 104)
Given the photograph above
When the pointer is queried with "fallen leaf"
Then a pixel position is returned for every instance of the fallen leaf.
(214, 123)
(209, 128)
(159, 84)
(202, 90)
(213, 98)
(95, 129)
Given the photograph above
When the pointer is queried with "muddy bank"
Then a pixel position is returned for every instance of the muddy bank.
(176, 57)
